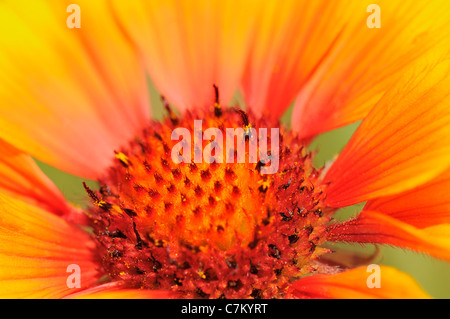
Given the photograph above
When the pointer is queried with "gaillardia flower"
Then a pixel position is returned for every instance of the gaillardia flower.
(76, 98)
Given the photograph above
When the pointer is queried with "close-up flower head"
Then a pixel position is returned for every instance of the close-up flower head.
(173, 149)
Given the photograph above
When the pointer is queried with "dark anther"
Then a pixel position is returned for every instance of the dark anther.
(139, 271)
(278, 271)
(201, 294)
(194, 249)
(100, 203)
(210, 275)
(212, 201)
(293, 239)
(263, 188)
(116, 234)
(167, 149)
(274, 251)
(158, 178)
(147, 166)
(165, 164)
(192, 167)
(176, 173)
(218, 186)
(266, 220)
(243, 115)
(254, 242)
(156, 264)
(171, 188)
(138, 187)
(231, 262)
(302, 212)
(142, 145)
(205, 174)
(184, 266)
(153, 193)
(259, 165)
(198, 191)
(105, 191)
(158, 243)
(229, 207)
(313, 246)
(158, 136)
(138, 237)
(216, 93)
(230, 174)
(285, 186)
(309, 229)
(217, 108)
(253, 269)
(178, 281)
(104, 205)
(197, 210)
(318, 212)
(129, 212)
(285, 218)
(115, 254)
(172, 116)
(256, 294)
(235, 284)
(168, 206)
(91, 193)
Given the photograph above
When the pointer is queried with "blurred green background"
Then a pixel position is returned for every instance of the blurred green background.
(432, 274)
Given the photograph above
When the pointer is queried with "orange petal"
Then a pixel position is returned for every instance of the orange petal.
(374, 227)
(402, 143)
(352, 284)
(424, 206)
(21, 178)
(36, 250)
(189, 46)
(291, 40)
(115, 291)
(69, 97)
(356, 64)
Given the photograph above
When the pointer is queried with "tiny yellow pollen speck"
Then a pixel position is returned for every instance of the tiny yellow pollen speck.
(202, 274)
(122, 158)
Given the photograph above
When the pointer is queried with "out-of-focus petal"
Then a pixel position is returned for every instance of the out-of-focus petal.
(69, 97)
(424, 206)
(20, 177)
(345, 66)
(37, 251)
(352, 284)
(189, 46)
(291, 40)
(404, 141)
(374, 227)
(115, 291)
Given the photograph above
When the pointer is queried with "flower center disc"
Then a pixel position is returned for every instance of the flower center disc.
(218, 230)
